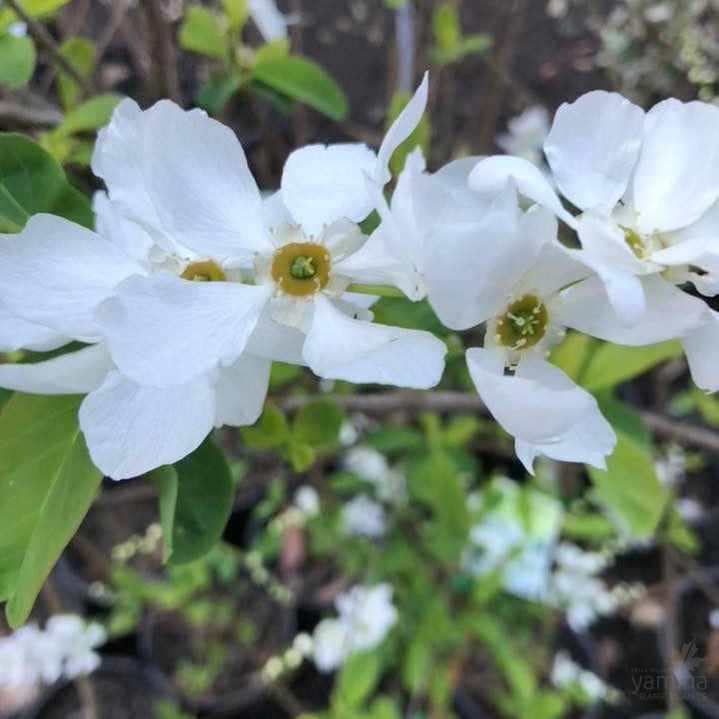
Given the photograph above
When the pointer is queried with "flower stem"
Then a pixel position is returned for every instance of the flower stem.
(379, 290)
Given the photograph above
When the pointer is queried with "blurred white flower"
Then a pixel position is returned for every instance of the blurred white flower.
(348, 433)
(526, 134)
(372, 466)
(18, 29)
(363, 517)
(566, 672)
(307, 501)
(66, 648)
(271, 23)
(365, 617)
(517, 536)
(672, 467)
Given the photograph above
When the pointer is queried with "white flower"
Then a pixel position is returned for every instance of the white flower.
(516, 535)
(365, 617)
(307, 501)
(372, 466)
(64, 649)
(647, 186)
(296, 247)
(363, 517)
(526, 134)
(271, 23)
(513, 275)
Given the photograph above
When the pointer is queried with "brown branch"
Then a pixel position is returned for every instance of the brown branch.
(162, 51)
(42, 36)
(450, 401)
(13, 113)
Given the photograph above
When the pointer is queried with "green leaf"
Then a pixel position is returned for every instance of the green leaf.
(419, 137)
(303, 80)
(35, 8)
(203, 32)
(30, 181)
(445, 27)
(612, 364)
(88, 115)
(216, 92)
(165, 479)
(270, 430)
(572, 354)
(630, 486)
(300, 455)
(237, 13)
(356, 680)
(318, 423)
(203, 504)
(80, 53)
(47, 483)
(17, 60)
(73, 205)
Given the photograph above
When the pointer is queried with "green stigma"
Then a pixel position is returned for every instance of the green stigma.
(303, 267)
(635, 242)
(523, 324)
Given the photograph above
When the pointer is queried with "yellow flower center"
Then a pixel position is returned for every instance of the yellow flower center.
(523, 323)
(205, 271)
(301, 268)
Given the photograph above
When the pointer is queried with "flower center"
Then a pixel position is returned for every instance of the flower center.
(301, 268)
(205, 271)
(523, 323)
(635, 242)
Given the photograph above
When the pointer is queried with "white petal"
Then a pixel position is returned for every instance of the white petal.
(275, 341)
(324, 183)
(131, 429)
(542, 408)
(492, 173)
(55, 273)
(165, 331)
(475, 265)
(700, 252)
(128, 235)
(702, 350)
(454, 177)
(556, 267)
(117, 159)
(677, 178)
(16, 333)
(593, 147)
(604, 240)
(339, 347)
(197, 176)
(241, 390)
(670, 313)
(401, 129)
(72, 373)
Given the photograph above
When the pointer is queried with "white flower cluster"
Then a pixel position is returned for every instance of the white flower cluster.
(65, 648)
(365, 615)
(576, 588)
(567, 673)
(194, 281)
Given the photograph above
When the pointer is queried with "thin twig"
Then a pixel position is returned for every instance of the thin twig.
(13, 113)
(450, 401)
(43, 37)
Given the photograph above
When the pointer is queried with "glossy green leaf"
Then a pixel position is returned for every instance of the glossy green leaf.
(303, 80)
(301, 456)
(47, 483)
(17, 60)
(81, 54)
(216, 92)
(203, 32)
(612, 364)
(30, 181)
(203, 503)
(318, 423)
(237, 12)
(356, 680)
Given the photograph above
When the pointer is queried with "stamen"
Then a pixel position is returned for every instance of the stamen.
(523, 324)
(204, 271)
(301, 269)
